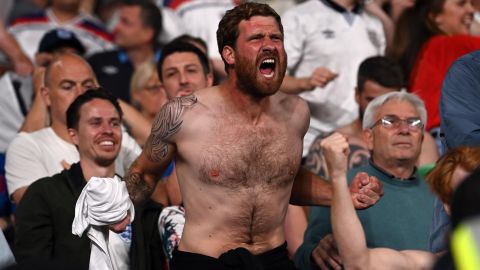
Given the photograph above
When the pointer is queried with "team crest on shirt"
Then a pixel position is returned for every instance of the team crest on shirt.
(328, 34)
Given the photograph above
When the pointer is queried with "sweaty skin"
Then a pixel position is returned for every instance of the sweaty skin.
(235, 175)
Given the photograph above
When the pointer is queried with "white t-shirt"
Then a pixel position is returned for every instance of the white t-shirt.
(30, 31)
(39, 154)
(317, 35)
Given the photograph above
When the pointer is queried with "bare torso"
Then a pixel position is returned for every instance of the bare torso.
(236, 174)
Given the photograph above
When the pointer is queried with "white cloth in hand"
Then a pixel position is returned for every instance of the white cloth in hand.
(103, 201)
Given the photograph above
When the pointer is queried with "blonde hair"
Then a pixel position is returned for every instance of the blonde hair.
(141, 76)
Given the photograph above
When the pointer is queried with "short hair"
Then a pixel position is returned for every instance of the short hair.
(192, 40)
(466, 199)
(150, 15)
(376, 103)
(182, 47)
(141, 75)
(227, 32)
(73, 111)
(440, 177)
(381, 70)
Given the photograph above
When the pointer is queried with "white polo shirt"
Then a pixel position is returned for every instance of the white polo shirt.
(320, 33)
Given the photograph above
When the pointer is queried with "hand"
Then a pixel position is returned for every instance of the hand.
(365, 190)
(120, 226)
(320, 78)
(22, 65)
(335, 150)
(325, 254)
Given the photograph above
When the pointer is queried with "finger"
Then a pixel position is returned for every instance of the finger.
(365, 200)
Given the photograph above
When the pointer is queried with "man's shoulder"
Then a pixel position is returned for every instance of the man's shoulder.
(309, 6)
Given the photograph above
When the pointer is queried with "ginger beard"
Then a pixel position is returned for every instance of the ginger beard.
(262, 77)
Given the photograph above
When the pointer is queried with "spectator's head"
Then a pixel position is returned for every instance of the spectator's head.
(183, 69)
(146, 90)
(447, 17)
(451, 170)
(377, 75)
(94, 125)
(250, 41)
(67, 77)
(198, 42)
(57, 42)
(393, 127)
(139, 24)
(466, 199)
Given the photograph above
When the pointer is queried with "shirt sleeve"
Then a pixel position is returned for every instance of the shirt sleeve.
(459, 101)
(23, 163)
(33, 223)
(318, 227)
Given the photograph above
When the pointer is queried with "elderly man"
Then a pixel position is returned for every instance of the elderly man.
(49, 150)
(393, 128)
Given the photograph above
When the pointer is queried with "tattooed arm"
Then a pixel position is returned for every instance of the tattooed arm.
(159, 149)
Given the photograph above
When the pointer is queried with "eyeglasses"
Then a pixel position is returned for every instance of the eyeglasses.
(392, 121)
(153, 88)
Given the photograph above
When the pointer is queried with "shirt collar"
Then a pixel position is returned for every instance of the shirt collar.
(357, 9)
(414, 175)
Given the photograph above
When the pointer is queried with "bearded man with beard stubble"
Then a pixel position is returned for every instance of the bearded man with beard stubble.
(238, 148)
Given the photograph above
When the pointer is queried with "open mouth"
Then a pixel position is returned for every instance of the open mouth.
(267, 67)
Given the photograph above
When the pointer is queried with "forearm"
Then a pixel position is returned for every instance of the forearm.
(37, 117)
(293, 85)
(310, 189)
(140, 185)
(139, 126)
(347, 228)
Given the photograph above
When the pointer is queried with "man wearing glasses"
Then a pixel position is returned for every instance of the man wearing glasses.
(393, 127)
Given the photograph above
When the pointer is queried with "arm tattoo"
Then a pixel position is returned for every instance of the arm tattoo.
(137, 188)
(167, 123)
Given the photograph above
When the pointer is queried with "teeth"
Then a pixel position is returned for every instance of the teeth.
(269, 75)
(106, 143)
(268, 61)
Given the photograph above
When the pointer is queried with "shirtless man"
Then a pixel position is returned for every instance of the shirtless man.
(347, 228)
(238, 148)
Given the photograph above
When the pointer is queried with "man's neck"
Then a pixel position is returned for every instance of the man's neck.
(61, 131)
(402, 169)
(347, 4)
(63, 15)
(91, 169)
(140, 54)
(251, 107)
(354, 129)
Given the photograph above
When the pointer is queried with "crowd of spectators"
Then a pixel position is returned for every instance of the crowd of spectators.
(399, 79)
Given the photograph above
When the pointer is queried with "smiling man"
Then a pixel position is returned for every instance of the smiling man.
(237, 148)
(49, 150)
(45, 215)
(393, 127)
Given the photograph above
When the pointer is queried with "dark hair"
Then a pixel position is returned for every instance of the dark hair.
(466, 199)
(192, 40)
(381, 70)
(73, 111)
(178, 47)
(227, 32)
(414, 27)
(150, 15)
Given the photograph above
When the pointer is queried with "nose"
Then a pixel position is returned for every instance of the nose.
(183, 78)
(403, 127)
(469, 7)
(106, 128)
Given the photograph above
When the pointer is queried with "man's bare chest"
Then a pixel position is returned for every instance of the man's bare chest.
(242, 156)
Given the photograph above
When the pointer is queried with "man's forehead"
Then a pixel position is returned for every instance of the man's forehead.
(258, 23)
(399, 108)
(181, 59)
(98, 108)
